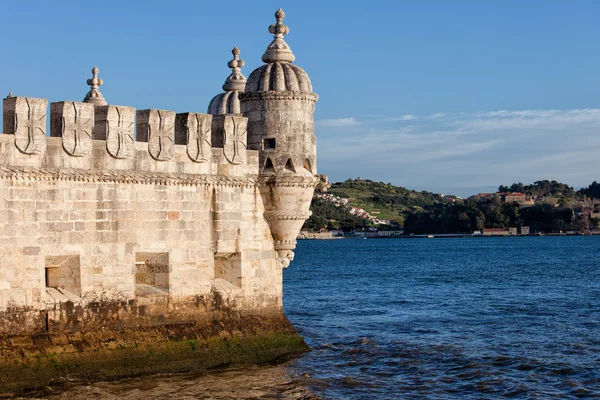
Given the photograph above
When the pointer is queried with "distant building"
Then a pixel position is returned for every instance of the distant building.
(524, 230)
(389, 233)
(512, 231)
(495, 232)
(514, 197)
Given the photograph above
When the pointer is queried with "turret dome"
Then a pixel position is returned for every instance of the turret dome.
(278, 74)
(228, 102)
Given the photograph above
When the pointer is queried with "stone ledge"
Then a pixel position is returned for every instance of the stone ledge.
(219, 339)
(150, 178)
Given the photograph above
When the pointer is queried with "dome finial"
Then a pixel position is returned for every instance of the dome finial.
(94, 96)
(235, 81)
(278, 50)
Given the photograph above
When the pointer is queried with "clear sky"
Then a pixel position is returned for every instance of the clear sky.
(448, 96)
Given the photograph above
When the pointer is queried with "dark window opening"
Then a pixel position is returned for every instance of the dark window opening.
(269, 144)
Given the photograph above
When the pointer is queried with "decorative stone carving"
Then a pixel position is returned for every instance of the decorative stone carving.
(278, 50)
(229, 102)
(74, 122)
(115, 125)
(234, 144)
(194, 130)
(25, 117)
(94, 96)
(230, 132)
(157, 127)
(286, 260)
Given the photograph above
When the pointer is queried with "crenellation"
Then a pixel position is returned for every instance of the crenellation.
(74, 122)
(25, 118)
(157, 128)
(194, 131)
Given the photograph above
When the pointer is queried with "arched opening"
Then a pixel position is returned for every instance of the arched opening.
(289, 165)
(268, 167)
(307, 165)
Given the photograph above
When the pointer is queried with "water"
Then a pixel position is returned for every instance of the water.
(438, 318)
(467, 318)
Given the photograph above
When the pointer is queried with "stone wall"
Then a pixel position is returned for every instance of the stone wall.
(135, 221)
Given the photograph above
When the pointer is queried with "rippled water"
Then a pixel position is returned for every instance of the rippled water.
(467, 318)
(438, 318)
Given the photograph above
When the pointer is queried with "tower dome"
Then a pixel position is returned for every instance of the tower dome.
(278, 74)
(228, 102)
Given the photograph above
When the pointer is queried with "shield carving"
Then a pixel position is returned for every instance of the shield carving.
(157, 127)
(234, 138)
(119, 131)
(30, 124)
(199, 137)
(76, 128)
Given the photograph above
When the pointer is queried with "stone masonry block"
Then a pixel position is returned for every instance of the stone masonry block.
(74, 122)
(157, 128)
(115, 124)
(230, 133)
(194, 130)
(25, 117)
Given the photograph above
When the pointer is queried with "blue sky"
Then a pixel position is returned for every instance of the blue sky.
(448, 96)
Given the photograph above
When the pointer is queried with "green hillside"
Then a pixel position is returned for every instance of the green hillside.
(384, 200)
(557, 207)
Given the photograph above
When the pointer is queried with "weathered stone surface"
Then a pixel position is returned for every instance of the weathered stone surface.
(157, 128)
(238, 338)
(115, 125)
(194, 131)
(94, 96)
(25, 117)
(74, 122)
(229, 102)
(230, 133)
(279, 103)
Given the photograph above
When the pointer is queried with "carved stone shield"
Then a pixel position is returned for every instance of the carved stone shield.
(199, 137)
(157, 127)
(28, 123)
(119, 131)
(234, 138)
(74, 122)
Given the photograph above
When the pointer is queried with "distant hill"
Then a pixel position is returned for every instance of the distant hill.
(543, 188)
(389, 201)
(383, 200)
(557, 207)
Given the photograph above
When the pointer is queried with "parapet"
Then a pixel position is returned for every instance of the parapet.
(108, 137)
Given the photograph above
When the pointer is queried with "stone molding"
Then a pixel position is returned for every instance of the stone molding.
(284, 242)
(149, 178)
(277, 95)
(296, 215)
(290, 181)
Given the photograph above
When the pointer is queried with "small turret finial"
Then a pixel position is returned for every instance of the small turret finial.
(10, 94)
(235, 81)
(278, 50)
(94, 96)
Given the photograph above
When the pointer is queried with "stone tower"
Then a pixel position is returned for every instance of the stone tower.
(279, 103)
(228, 102)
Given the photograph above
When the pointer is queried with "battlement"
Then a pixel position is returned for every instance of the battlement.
(119, 139)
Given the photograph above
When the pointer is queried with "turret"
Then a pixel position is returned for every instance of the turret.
(228, 102)
(279, 103)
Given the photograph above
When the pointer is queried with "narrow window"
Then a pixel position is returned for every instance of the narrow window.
(290, 165)
(268, 167)
(269, 144)
(307, 166)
